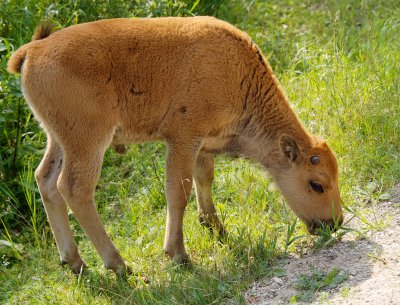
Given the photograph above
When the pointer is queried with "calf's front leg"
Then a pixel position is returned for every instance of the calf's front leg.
(180, 167)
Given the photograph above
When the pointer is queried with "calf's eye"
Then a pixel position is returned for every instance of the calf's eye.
(317, 187)
(314, 160)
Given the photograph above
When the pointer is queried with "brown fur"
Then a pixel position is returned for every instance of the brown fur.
(197, 83)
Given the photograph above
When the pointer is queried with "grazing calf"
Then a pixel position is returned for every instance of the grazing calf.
(197, 83)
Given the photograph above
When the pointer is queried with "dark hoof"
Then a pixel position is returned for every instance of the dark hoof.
(212, 223)
(182, 261)
(77, 268)
(123, 271)
(120, 268)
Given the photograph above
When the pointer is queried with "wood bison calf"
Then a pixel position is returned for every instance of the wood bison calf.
(197, 83)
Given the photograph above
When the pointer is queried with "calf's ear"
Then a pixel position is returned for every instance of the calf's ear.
(290, 148)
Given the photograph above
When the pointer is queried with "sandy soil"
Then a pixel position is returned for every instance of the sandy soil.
(371, 266)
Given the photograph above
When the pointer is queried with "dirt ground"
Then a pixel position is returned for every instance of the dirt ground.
(371, 267)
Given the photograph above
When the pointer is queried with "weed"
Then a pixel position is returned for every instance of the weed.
(8, 247)
(290, 239)
(30, 191)
(371, 220)
(310, 284)
(345, 290)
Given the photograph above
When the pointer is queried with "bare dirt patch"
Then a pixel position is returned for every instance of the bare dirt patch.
(354, 271)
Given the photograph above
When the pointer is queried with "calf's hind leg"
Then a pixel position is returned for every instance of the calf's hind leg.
(203, 178)
(56, 209)
(77, 182)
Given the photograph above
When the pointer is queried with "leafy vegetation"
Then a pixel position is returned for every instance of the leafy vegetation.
(338, 62)
(310, 284)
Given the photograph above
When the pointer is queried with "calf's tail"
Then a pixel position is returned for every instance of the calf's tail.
(16, 60)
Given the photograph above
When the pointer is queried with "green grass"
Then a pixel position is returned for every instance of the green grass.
(338, 62)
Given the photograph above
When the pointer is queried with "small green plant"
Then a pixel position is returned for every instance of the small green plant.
(371, 220)
(345, 291)
(310, 284)
(31, 193)
(290, 238)
(8, 248)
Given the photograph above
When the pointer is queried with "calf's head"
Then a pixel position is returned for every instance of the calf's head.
(309, 182)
